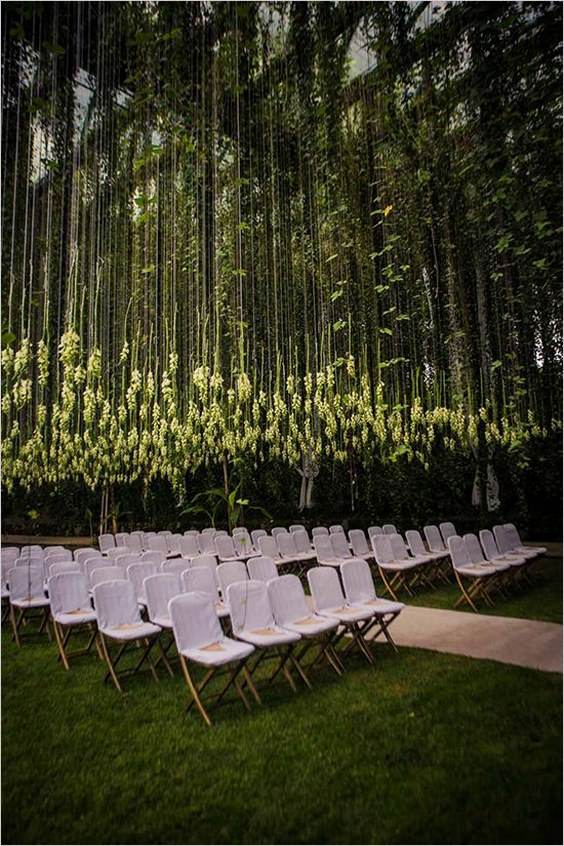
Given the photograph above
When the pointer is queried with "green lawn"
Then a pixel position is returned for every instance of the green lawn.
(420, 748)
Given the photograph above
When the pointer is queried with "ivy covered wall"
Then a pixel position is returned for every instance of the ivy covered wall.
(321, 234)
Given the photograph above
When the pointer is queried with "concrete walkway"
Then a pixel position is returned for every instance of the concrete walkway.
(527, 643)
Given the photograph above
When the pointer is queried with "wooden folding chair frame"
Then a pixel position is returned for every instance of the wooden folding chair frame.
(145, 644)
(63, 634)
(233, 669)
(26, 612)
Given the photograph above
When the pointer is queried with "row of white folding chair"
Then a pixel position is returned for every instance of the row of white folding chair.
(477, 577)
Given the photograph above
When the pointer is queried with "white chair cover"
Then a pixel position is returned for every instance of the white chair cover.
(252, 619)
(434, 539)
(159, 590)
(137, 573)
(26, 586)
(106, 542)
(230, 571)
(290, 608)
(106, 574)
(198, 632)
(262, 568)
(328, 597)
(69, 599)
(118, 613)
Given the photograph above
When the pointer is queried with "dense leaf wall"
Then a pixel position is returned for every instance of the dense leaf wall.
(220, 242)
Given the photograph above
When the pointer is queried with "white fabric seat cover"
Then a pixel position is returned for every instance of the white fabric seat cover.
(262, 568)
(69, 599)
(26, 586)
(360, 590)
(477, 556)
(462, 562)
(515, 542)
(417, 547)
(269, 547)
(106, 574)
(434, 539)
(401, 552)
(325, 552)
(202, 580)
(118, 613)
(291, 611)
(137, 573)
(230, 571)
(198, 633)
(328, 597)
(359, 544)
(159, 590)
(492, 553)
(340, 545)
(506, 547)
(252, 619)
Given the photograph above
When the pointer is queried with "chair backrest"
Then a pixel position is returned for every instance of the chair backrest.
(267, 546)
(256, 534)
(278, 530)
(174, 543)
(126, 558)
(415, 542)
(159, 543)
(189, 547)
(32, 548)
(28, 555)
(165, 533)
(137, 573)
(340, 545)
(382, 547)
(447, 531)
(375, 530)
(209, 530)
(116, 552)
(489, 545)
(106, 541)
(135, 542)
(68, 592)
(106, 574)
(336, 527)
(56, 558)
(434, 539)
(458, 552)
(319, 530)
(237, 530)
(26, 582)
(287, 599)
(156, 558)
(176, 566)
(324, 550)
(62, 567)
(249, 606)
(206, 543)
(399, 548)
(231, 571)
(262, 568)
(159, 589)
(115, 603)
(10, 550)
(474, 548)
(358, 542)
(85, 552)
(357, 581)
(201, 579)
(325, 588)
(286, 543)
(191, 532)
(243, 543)
(389, 529)
(296, 527)
(194, 620)
(302, 540)
(502, 539)
(512, 535)
(58, 552)
(224, 546)
(122, 538)
(92, 564)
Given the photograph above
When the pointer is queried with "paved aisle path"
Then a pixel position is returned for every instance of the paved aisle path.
(527, 643)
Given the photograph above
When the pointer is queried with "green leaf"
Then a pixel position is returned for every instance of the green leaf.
(332, 258)
(336, 294)
(385, 331)
(338, 325)
(8, 338)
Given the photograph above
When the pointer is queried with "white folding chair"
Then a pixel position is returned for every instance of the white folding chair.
(325, 551)
(252, 621)
(476, 581)
(126, 558)
(374, 530)
(243, 544)
(438, 559)
(160, 543)
(189, 547)
(360, 590)
(206, 542)
(156, 558)
(297, 527)
(447, 531)
(319, 530)
(494, 556)
(340, 545)
(268, 547)
(262, 568)
(203, 579)
(71, 612)
(256, 534)
(135, 542)
(119, 622)
(394, 573)
(389, 529)
(105, 542)
(175, 566)
(402, 553)
(225, 549)
(278, 530)
(122, 538)
(137, 573)
(62, 567)
(329, 601)
(515, 544)
(159, 589)
(336, 528)
(200, 640)
(291, 611)
(27, 596)
(359, 544)
(434, 539)
(230, 571)
(303, 544)
(81, 554)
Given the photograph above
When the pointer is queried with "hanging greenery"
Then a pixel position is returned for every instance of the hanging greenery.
(279, 230)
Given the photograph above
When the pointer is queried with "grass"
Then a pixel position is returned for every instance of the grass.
(421, 748)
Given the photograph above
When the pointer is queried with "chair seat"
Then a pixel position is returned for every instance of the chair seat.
(398, 566)
(75, 618)
(221, 609)
(500, 564)
(131, 631)
(164, 621)
(270, 636)
(31, 602)
(347, 613)
(383, 606)
(218, 653)
(513, 560)
(312, 625)
(476, 570)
